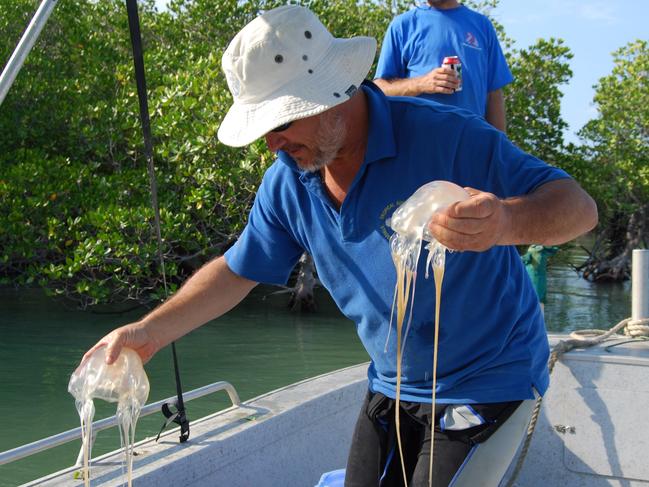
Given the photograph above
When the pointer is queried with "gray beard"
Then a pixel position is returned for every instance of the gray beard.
(330, 140)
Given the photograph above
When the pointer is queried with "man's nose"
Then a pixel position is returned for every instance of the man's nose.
(275, 141)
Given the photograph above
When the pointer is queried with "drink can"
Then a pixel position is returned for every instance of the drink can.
(454, 63)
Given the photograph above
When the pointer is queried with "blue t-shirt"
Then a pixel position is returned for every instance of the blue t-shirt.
(492, 343)
(417, 41)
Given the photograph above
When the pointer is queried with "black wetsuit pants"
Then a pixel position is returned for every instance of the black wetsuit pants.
(374, 456)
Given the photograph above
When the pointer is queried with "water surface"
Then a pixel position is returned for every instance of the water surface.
(257, 347)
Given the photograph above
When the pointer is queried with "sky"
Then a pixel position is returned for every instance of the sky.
(592, 29)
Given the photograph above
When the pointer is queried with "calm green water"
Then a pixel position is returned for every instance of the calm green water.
(258, 347)
(574, 304)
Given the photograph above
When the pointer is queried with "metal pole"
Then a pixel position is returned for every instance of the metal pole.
(640, 285)
(24, 46)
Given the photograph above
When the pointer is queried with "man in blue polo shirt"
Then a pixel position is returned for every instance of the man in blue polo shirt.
(347, 156)
(417, 42)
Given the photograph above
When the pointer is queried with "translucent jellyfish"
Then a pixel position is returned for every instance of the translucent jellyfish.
(123, 382)
(410, 222)
(410, 225)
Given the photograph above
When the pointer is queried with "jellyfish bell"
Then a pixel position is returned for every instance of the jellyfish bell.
(124, 382)
(123, 379)
(412, 217)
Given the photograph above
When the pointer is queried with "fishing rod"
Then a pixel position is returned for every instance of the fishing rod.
(178, 416)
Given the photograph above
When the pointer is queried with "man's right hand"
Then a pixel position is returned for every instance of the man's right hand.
(439, 80)
(134, 336)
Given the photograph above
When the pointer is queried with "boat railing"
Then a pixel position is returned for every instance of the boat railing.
(73, 434)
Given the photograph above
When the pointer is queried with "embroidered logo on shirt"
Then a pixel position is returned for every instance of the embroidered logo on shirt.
(386, 231)
(471, 41)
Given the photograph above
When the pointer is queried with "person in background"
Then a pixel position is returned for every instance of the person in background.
(347, 155)
(536, 264)
(417, 42)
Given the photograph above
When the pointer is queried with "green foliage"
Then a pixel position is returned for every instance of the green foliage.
(617, 141)
(75, 208)
(348, 18)
(615, 155)
(79, 223)
(69, 72)
(486, 7)
(533, 101)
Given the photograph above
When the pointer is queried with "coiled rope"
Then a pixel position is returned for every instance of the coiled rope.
(637, 329)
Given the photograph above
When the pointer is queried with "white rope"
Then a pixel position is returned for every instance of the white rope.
(637, 328)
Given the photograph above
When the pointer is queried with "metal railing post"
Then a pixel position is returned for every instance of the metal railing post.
(24, 46)
(640, 284)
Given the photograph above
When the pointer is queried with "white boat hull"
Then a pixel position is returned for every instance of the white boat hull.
(592, 432)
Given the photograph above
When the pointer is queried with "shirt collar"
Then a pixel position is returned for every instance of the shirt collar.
(380, 133)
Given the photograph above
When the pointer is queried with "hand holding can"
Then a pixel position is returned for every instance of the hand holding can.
(453, 62)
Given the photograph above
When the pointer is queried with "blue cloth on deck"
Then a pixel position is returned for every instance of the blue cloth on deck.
(335, 478)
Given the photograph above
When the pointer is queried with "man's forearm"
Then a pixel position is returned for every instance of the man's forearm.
(212, 291)
(495, 111)
(555, 213)
(399, 86)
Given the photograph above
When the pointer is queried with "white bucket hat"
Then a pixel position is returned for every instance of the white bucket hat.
(285, 65)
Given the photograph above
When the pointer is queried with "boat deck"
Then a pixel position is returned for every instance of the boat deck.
(297, 433)
(591, 432)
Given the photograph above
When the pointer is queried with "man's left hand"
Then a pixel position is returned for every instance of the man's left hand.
(477, 223)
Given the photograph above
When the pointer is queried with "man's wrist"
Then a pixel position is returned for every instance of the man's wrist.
(418, 86)
(507, 236)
